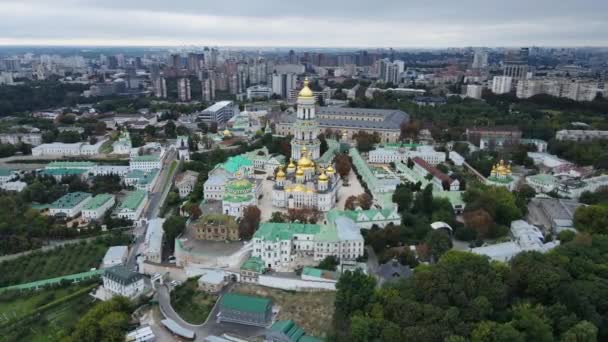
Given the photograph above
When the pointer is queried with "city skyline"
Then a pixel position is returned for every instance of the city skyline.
(399, 24)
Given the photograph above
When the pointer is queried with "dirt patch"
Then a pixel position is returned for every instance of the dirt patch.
(313, 311)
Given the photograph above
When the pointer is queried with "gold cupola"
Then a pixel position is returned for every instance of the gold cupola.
(305, 92)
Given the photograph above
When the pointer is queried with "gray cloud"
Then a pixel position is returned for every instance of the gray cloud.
(397, 23)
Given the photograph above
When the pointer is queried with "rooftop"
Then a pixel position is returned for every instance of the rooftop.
(285, 231)
(244, 303)
(97, 201)
(63, 172)
(319, 273)
(70, 164)
(218, 105)
(5, 172)
(122, 275)
(146, 158)
(70, 200)
(115, 253)
(133, 200)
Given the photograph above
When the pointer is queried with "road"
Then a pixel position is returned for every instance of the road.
(211, 327)
(155, 200)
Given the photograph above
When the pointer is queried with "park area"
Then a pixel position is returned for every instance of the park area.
(64, 260)
(313, 311)
(45, 315)
(192, 304)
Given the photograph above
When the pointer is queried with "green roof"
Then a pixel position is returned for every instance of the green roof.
(143, 177)
(354, 214)
(239, 185)
(5, 172)
(70, 164)
(235, 163)
(289, 328)
(285, 231)
(543, 178)
(319, 273)
(254, 264)
(70, 200)
(244, 303)
(133, 200)
(146, 158)
(97, 201)
(307, 338)
(63, 172)
(237, 198)
(44, 282)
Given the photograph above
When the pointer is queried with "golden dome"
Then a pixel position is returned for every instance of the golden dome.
(291, 165)
(227, 132)
(305, 162)
(305, 92)
(280, 174)
(300, 172)
(323, 177)
(309, 191)
(330, 170)
(299, 188)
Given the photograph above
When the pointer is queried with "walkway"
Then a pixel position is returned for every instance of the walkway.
(51, 281)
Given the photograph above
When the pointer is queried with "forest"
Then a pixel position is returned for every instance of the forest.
(558, 296)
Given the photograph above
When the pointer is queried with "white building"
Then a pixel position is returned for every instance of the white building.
(115, 255)
(384, 155)
(502, 84)
(456, 158)
(153, 243)
(120, 281)
(285, 246)
(474, 91)
(146, 162)
(581, 135)
(143, 334)
(123, 145)
(525, 237)
(185, 183)
(96, 208)
(16, 186)
(214, 187)
(69, 205)
(104, 170)
(132, 205)
(33, 139)
(219, 112)
(66, 150)
(257, 92)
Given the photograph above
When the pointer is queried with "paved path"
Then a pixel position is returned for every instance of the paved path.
(211, 326)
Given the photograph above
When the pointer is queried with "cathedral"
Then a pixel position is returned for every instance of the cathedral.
(304, 184)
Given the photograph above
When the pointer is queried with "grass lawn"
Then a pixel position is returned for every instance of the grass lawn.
(313, 311)
(52, 324)
(192, 304)
(69, 259)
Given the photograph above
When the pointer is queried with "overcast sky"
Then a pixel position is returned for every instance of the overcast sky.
(313, 23)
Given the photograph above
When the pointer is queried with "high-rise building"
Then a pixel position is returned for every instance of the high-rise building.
(502, 84)
(391, 71)
(175, 61)
(184, 93)
(160, 87)
(516, 64)
(480, 60)
(282, 84)
(196, 61)
(474, 91)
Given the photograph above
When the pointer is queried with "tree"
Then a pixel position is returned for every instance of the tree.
(329, 263)
(439, 242)
(584, 331)
(170, 131)
(592, 219)
(194, 211)
(354, 292)
(277, 217)
(173, 227)
(343, 165)
(351, 203)
(403, 197)
(250, 222)
(106, 321)
(480, 221)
